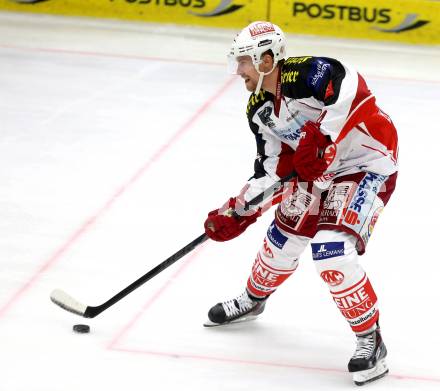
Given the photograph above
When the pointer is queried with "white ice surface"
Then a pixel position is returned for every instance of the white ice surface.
(116, 139)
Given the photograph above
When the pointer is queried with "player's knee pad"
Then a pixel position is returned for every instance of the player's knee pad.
(276, 261)
(336, 261)
(336, 258)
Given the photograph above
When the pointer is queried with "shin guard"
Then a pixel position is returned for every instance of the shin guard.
(275, 262)
(336, 261)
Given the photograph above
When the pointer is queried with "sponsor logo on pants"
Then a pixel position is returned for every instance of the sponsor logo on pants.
(276, 237)
(327, 250)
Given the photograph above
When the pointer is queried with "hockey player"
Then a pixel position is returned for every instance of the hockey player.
(317, 117)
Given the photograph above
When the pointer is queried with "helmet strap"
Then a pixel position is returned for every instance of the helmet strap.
(262, 74)
(260, 82)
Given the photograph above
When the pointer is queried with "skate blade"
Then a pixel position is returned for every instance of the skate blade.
(363, 377)
(248, 318)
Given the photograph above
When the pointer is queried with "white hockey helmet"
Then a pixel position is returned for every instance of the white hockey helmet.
(254, 40)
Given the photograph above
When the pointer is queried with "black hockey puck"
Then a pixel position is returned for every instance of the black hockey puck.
(81, 328)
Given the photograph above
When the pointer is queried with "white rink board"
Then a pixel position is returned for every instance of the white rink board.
(116, 140)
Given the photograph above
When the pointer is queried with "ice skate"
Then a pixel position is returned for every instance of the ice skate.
(241, 309)
(368, 362)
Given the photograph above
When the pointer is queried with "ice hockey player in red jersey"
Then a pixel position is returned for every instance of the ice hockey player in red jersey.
(317, 117)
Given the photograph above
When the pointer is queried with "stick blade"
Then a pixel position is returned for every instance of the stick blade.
(67, 302)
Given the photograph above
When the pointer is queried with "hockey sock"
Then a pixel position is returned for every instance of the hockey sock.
(358, 304)
(275, 262)
(265, 279)
(336, 261)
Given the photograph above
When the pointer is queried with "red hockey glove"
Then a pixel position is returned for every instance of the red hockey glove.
(222, 225)
(312, 156)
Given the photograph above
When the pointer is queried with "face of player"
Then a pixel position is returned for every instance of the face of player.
(247, 71)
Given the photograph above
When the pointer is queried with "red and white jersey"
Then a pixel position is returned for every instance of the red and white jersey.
(322, 90)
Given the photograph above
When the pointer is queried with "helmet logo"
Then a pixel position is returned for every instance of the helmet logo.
(260, 28)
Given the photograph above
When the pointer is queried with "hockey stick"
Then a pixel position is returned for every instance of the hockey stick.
(68, 303)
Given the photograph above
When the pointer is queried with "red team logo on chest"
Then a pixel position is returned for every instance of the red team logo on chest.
(330, 154)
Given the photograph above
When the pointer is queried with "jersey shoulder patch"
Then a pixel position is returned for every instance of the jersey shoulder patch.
(293, 68)
(294, 74)
(319, 74)
(304, 77)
